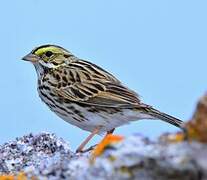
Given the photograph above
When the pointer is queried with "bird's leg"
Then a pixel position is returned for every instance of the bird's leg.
(92, 147)
(82, 145)
(89, 149)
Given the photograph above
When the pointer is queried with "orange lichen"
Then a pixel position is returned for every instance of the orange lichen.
(196, 128)
(178, 137)
(109, 139)
(20, 176)
(7, 177)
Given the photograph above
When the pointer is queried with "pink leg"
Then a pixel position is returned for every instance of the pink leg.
(92, 147)
(82, 145)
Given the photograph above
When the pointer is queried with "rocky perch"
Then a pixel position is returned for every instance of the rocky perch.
(45, 156)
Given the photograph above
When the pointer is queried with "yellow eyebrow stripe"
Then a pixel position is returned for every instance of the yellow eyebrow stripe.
(42, 50)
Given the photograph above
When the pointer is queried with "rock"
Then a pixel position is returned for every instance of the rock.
(48, 157)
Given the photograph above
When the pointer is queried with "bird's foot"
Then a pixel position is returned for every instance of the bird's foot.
(86, 150)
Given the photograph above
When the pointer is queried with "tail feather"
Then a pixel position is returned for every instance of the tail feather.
(165, 117)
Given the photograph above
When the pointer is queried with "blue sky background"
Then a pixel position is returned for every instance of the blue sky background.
(157, 48)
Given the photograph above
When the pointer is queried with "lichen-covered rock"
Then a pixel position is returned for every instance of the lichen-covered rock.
(33, 152)
(47, 157)
(138, 158)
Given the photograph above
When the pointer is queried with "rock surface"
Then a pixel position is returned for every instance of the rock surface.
(48, 157)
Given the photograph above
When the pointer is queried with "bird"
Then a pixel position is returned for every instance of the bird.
(87, 96)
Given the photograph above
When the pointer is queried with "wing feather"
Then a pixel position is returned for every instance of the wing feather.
(96, 86)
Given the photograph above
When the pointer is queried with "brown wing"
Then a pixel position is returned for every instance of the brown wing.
(90, 84)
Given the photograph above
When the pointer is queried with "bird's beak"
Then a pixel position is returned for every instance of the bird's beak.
(31, 57)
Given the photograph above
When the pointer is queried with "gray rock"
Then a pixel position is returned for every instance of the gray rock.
(48, 157)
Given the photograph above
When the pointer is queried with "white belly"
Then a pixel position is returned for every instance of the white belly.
(105, 120)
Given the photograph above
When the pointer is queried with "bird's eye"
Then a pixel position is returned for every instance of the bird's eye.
(49, 53)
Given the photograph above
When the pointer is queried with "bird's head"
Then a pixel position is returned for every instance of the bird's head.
(48, 57)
